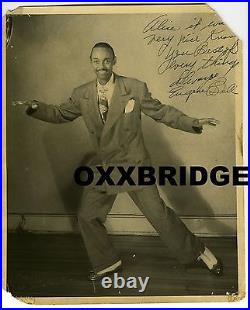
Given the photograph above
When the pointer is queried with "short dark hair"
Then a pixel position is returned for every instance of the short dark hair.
(105, 45)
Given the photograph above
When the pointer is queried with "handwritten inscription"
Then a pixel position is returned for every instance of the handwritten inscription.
(161, 23)
(200, 55)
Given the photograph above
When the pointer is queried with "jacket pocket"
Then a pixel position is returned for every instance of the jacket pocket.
(131, 119)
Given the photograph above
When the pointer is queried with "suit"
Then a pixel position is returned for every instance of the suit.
(119, 142)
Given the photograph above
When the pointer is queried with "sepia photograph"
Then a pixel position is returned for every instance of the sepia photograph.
(124, 171)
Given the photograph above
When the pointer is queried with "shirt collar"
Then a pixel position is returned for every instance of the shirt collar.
(109, 84)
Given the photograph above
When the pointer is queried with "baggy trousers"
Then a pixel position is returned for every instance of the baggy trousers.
(92, 214)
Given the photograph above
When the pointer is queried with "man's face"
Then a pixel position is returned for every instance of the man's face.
(103, 61)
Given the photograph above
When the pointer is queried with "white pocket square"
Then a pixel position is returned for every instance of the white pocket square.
(130, 106)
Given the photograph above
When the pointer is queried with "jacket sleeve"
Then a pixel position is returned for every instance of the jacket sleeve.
(167, 114)
(63, 113)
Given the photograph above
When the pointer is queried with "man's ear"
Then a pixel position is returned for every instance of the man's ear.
(114, 60)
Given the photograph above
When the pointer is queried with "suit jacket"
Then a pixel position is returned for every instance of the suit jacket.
(118, 142)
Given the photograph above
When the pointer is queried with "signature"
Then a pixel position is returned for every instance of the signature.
(217, 87)
(202, 53)
(187, 77)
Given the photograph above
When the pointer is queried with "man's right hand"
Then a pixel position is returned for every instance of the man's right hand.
(29, 103)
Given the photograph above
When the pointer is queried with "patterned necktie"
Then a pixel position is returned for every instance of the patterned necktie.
(103, 106)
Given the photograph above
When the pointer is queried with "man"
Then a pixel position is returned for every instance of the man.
(111, 107)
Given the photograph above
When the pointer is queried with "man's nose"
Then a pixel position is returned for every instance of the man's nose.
(103, 65)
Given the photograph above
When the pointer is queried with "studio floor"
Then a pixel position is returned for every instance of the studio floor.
(56, 265)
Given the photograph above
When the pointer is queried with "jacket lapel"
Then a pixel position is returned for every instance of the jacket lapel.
(91, 113)
(93, 104)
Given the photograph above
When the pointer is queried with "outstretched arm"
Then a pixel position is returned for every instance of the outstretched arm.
(63, 113)
(171, 116)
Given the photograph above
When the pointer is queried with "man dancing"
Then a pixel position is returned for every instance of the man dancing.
(111, 107)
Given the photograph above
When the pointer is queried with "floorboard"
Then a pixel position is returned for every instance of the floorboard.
(50, 265)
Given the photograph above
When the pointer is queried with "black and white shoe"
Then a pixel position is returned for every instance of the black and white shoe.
(93, 276)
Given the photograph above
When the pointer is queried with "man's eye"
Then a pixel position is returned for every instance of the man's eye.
(107, 62)
(96, 62)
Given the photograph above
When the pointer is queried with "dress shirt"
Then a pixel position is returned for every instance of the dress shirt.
(106, 91)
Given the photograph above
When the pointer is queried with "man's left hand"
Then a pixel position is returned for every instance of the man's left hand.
(208, 121)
